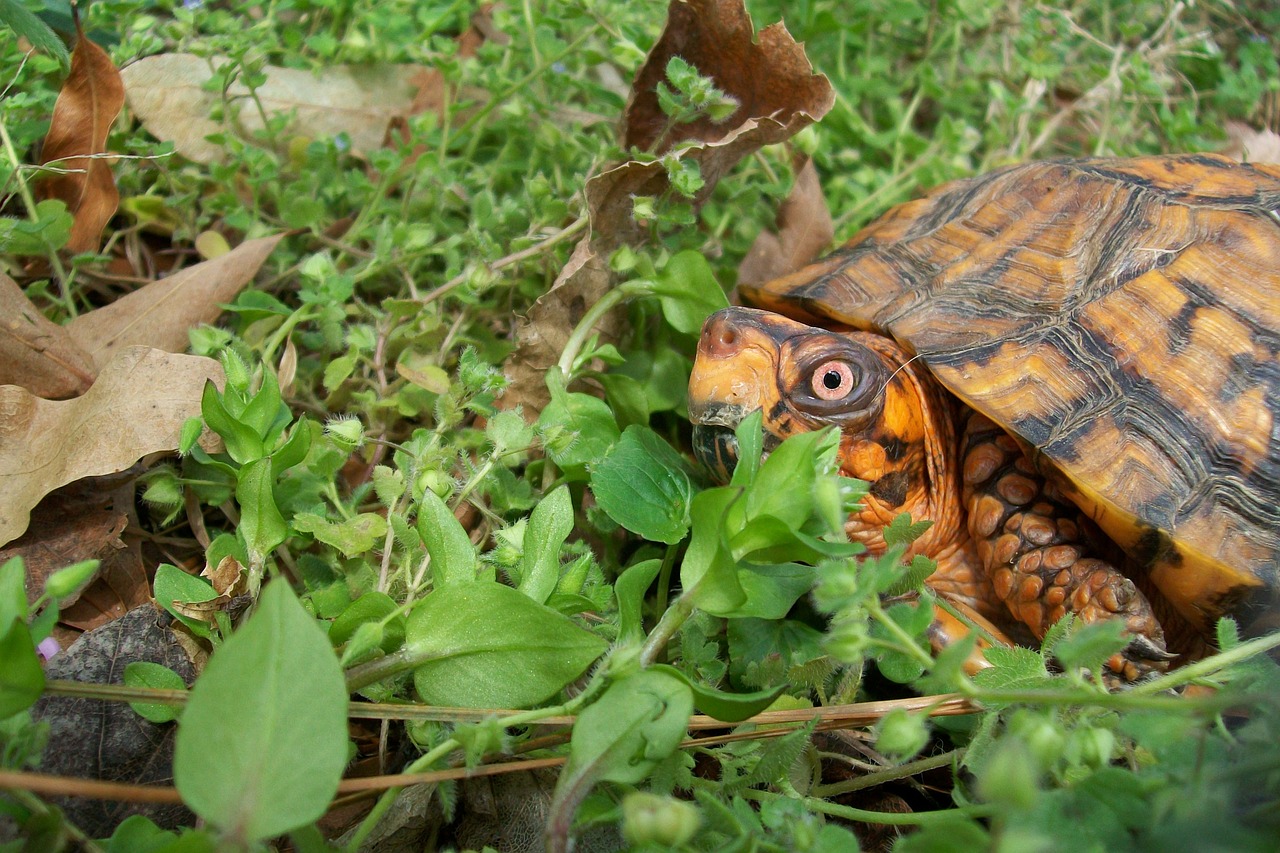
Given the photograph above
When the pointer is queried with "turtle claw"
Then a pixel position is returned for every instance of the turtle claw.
(1142, 647)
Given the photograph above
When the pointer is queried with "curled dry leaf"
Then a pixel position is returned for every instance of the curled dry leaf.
(166, 93)
(87, 106)
(36, 353)
(136, 407)
(778, 95)
(805, 228)
(160, 314)
(1252, 146)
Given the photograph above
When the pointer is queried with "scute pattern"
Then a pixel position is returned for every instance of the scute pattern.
(1122, 319)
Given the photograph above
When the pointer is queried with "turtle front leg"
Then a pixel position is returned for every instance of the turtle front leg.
(1039, 560)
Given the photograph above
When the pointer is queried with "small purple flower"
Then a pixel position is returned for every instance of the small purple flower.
(48, 648)
(558, 67)
(191, 5)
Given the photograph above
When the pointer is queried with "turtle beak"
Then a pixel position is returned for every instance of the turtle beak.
(734, 374)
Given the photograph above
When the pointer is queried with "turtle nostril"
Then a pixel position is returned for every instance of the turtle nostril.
(728, 337)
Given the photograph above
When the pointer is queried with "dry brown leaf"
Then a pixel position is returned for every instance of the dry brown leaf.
(769, 75)
(805, 229)
(36, 353)
(779, 95)
(160, 314)
(137, 406)
(87, 106)
(228, 577)
(166, 93)
(1252, 146)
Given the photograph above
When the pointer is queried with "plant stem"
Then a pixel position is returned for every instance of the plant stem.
(674, 617)
(889, 774)
(583, 330)
(887, 818)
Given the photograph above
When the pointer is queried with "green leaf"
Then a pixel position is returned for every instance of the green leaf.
(901, 531)
(637, 722)
(708, 570)
(550, 524)
(13, 591)
(686, 287)
(453, 557)
(1228, 634)
(1014, 668)
(148, 674)
(261, 524)
(750, 436)
(772, 590)
(173, 584)
(294, 450)
(588, 426)
(21, 676)
(485, 645)
(242, 441)
(34, 30)
(727, 707)
(373, 606)
(1090, 644)
(629, 590)
(784, 486)
(65, 582)
(643, 485)
(263, 739)
(351, 536)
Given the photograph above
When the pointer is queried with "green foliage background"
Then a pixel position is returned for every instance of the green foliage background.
(404, 259)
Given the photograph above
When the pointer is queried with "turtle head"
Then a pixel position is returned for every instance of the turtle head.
(800, 377)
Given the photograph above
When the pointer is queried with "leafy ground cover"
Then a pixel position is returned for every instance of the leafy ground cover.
(419, 502)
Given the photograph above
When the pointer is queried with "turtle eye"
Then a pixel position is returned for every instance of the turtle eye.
(832, 380)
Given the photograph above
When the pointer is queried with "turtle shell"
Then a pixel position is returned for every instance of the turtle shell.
(1121, 318)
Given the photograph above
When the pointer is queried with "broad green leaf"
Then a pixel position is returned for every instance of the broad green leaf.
(356, 535)
(66, 582)
(639, 721)
(750, 436)
(173, 584)
(784, 486)
(550, 524)
(242, 441)
(708, 570)
(728, 707)
(688, 291)
(373, 606)
(266, 412)
(485, 645)
(642, 484)
(629, 590)
(34, 30)
(294, 450)
(759, 641)
(148, 674)
(453, 557)
(263, 739)
(588, 425)
(13, 591)
(771, 590)
(21, 676)
(261, 524)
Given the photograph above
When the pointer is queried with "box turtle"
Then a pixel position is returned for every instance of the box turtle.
(1070, 367)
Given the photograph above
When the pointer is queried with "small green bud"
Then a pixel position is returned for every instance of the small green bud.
(651, 819)
(346, 432)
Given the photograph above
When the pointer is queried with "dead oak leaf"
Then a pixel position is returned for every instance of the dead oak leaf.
(161, 313)
(136, 407)
(87, 106)
(769, 75)
(166, 92)
(37, 353)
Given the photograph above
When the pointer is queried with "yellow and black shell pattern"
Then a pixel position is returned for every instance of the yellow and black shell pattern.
(1121, 318)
